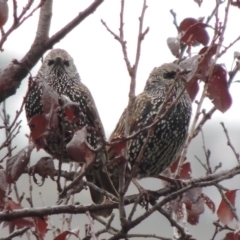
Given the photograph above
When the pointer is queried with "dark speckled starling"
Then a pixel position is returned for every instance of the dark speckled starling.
(168, 135)
(58, 72)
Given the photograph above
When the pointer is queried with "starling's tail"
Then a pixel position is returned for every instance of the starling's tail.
(100, 177)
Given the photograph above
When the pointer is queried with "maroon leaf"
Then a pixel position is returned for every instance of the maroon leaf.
(41, 227)
(72, 112)
(44, 167)
(118, 147)
(38, 125)
(232, 236)
(63, 235)
(209, 202)
(224, 211)
(218, 89)
(186, 171)
(236, 3)
(193, 32)
(20, 222)
(192, 89)
(79, 149)
(16, 165)
(211, 51)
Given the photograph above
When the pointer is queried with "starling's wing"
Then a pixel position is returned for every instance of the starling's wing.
(99, 176)
(91, 109)
(142, 106)
(33, 104)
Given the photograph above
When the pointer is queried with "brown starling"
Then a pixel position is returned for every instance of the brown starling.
(168, 134)
(58, 74)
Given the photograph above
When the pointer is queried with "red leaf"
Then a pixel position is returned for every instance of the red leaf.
(63, 235)
(192, 89)
(236, 3)
(186, 171)
(218, 89)
(118, 147)
(20, 222)
(71, 110)
(232, 236)
(16, 165)
(79, 149)
(41, 227)
(193, 32)
(209, 202)
(187, 23)
(212, 51)
(38, 125)
(224, 211)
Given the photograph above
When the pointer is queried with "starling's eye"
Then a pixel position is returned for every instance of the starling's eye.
(66, 63)
(169, 75)
(50, 62)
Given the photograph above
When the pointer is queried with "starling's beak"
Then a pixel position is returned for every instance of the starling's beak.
(58, 62)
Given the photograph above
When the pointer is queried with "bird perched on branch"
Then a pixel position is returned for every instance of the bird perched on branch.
(64, 120)
(160, 120)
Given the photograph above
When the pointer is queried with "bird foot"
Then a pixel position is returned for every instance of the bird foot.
(147, 196)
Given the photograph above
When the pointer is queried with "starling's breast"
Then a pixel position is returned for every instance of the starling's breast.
(165, 142)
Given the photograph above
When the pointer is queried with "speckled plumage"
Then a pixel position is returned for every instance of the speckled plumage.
(169, 134)
(58, 72)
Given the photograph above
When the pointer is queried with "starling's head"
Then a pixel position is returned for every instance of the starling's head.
(162, 75)
(58, 62)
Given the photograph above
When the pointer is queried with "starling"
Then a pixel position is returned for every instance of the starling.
(169, 133)
(59, 74)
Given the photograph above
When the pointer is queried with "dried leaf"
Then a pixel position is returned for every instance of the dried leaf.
(174, 46)
(44, 167)
(186, 171)
(193, 32)
(232, 236)
(218, 89)
(72, 112)
(79, 149)
(20, 222)
(236, 3)
(38, 125)
(192, 89)
(195, 204)
(41, 227)
(63, 235)
(224, 211)
(118, 147)
(16, 165)
(209, 202)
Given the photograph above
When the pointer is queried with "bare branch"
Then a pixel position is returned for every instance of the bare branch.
(12, 75)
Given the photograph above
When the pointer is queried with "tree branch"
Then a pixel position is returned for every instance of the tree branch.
(12, 75)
